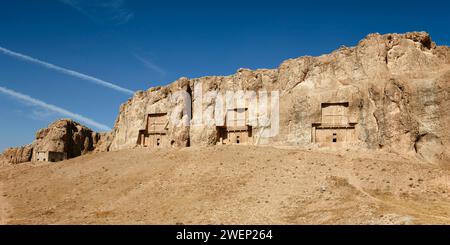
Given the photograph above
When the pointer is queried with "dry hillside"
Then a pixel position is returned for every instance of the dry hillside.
(386, 99)
(227, 185)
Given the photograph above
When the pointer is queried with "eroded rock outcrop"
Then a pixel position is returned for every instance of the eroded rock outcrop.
(394, 89)
(18, 154)
(65, 137)
(101, 141)
(389, 92)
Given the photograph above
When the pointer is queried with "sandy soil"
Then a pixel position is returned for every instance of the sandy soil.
(4, 207)
(228, 185)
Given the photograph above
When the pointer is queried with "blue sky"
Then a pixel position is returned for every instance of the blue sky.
(139, 44)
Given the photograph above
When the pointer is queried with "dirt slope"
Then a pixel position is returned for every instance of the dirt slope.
(4, 207)
(228, 185)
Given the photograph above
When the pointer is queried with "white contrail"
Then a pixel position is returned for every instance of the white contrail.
(150, 65)
(65, 71)
(50, 107)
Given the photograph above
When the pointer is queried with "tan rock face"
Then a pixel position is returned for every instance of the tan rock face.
(389, 92)
(18, 155)
(133, 115)
(101, 141)
(396, 86)
(64, 136)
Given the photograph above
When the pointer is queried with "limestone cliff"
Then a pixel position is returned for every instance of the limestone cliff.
(18, 154)
(389, 92)
(396, 86)
(63, 136)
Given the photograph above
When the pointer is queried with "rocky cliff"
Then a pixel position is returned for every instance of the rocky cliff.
(64, 136)
(395, 89)
(18, 154)
(396, 85)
